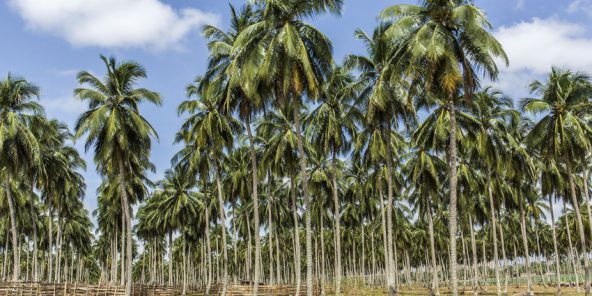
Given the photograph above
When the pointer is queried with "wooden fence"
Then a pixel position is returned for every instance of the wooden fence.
(63, 289)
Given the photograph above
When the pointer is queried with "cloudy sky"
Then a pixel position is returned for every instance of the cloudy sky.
(49, 41)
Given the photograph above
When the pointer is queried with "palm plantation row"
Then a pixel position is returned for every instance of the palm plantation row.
(389, 169)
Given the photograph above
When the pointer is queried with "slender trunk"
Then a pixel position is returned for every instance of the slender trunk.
(35, 249)
(50, 241)
(304, 181)
(270, 230)
(128, 224)
(222, 217)
(557, 268)
(184, 266)
(337, 234)
(113, 275)
(383, 228)
(389, 215)
(571, 253)
(474, 253)
(12, 210)
(506, 264)
(435, 290)
(277, 256)
(208, 246)
(255, 206)
(322, 258)
(122, 252)
(170, 258)
(494, 229)
(525, 245)
(59, 246)
(297, 268)
(581, 230)
(453, 209)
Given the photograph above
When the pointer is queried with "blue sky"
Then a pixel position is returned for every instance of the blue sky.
(49, 41)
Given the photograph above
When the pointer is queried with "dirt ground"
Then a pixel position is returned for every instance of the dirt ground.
(489, 290)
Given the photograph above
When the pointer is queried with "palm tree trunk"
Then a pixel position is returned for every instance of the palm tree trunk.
(304, 181)
(435, 290)
(571, 249)
(128, 224)
(383, 228)
(222, 217)
(122, 252)
(50, 241)
(474, 254)
(35, 249)
(208, 246)
(58, 264)
(557, 268)
(255, 198)
(170, 243)
(452, 183)
(389, 215)
(185, 266)
(297, 268)
(277, 256)
(506, 264)
(337, 234)
(12, 210)
(322, 258)
(525, 245)
(581, 230)
(270, 230)
(494, 229)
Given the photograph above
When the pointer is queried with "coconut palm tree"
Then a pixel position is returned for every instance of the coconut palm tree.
(384, 94)
(232, 70)
(209, 129)
(493, 110)
(330, 125)
(561, 134)
(449, 63)
(120, 136)
(424, 172)
(18, 144)
(294, 64)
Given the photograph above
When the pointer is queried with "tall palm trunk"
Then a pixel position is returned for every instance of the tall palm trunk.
(389, 215)
(525, 245)
(474, 254)
(571, 248)
(222, 217)
(304, 181)
(581, 229)
(453, 198)
(337, 233)
(383, 228)
(255, 206)
(208, 246)
(11, 208)
(185, 266)
(297, 268)
(50, 241)
(435, 290)
(494, 229)
(128, 224)
(170, 257)
(122, 252)
(35, 249)
(557, 268)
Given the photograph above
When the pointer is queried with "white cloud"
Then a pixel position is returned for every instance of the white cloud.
(577, 6)
(535, 46)
(112, 23)
(64, 107)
